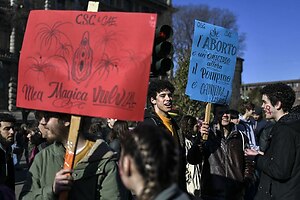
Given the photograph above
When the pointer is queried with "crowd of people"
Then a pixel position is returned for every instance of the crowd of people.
(252, 153)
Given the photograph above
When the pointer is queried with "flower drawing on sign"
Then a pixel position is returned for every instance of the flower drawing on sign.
(82, 60)
(108, 39)
(64, 49)
(108, 42)
(64, 53)
(134, 58)
(52, 40)
(39, 66)
(51, 34)
(106, 64)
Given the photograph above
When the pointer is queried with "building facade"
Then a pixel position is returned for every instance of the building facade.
(295, 84)
(13, 17)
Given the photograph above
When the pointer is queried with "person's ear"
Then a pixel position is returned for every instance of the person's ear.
(278, 105)
(126, 166)
(153, 101)
(67, 123)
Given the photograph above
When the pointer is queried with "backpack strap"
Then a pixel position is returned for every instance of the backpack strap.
(101, 150)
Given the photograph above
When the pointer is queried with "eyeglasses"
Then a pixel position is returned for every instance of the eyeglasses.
(46, 115)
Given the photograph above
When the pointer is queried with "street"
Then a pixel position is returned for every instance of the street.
(21, 172)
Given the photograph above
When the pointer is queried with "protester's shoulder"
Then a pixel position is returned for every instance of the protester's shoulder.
(286, 129)
(52, 149)
(289, 118)
(106, 158)
(101, 151)
(263, 122)
(242, 126)
(110, 164)
(236, 133)
(251, 120)
(175, 123)
(172, 192)
(270, 124)
(152, 119)
(42, 157)
(42, 146)
(294, 125)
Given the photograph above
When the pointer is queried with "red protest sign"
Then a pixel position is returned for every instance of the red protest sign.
(86, 63)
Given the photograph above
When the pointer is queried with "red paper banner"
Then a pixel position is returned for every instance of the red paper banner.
(86, 63)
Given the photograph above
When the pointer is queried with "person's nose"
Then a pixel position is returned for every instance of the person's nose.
(168, 97)
(226, 115)
(11, 130)
(43, 121)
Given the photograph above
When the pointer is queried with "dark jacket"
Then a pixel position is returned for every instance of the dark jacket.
(153, 119)
(115, 147)
(280, 165)
(7, 170)
(172, 193)
(265, 136)
(225, 168)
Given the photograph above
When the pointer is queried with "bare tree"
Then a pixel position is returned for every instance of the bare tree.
(183, 25)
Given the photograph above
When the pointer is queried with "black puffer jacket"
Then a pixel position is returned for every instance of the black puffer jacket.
(225, 168)
(280, 165)
(152, 118)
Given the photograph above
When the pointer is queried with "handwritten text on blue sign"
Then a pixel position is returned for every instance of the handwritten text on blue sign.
(212, 63)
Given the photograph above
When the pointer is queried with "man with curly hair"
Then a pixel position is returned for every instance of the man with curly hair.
(246, 123)
(280, 163)
(160, 95)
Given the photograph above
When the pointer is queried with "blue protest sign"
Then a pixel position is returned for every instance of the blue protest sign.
(212, 63)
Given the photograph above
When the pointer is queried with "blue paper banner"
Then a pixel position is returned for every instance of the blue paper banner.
(212, 63)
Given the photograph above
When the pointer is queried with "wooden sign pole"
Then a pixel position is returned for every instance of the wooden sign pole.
(71, 149)
(74, 126)
(207, 118)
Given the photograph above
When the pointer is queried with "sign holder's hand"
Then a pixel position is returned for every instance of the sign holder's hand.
(69, 156)
(206, 120)
(62, 181)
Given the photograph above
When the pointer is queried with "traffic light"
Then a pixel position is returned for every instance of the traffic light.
(162, 50)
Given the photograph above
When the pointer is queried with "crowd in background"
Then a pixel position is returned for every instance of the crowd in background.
(160, 158)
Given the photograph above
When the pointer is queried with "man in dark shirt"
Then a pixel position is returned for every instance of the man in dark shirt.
(160, 95)
(7, 132)
(280, 162)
